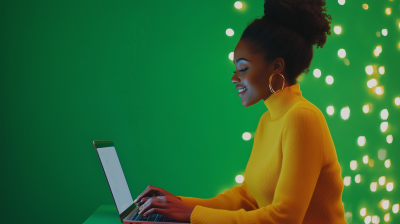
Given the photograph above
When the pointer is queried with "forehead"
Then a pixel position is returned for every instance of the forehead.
(241, 49)
(241, 53)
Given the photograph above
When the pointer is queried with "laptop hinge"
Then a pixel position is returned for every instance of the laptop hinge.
(128, 212)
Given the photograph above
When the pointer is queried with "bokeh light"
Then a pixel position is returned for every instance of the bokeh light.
(238, 5)
(365, 108)
(329, 79)
(384, 114)
(373, 186)
(369, 69)
(246, 136)
(229, 32)
(345, 113)
(330, 110)
(317, 73)
(342, 53)
(389, 139)
(353, 165)
(337, 29)
(365, 159)
(381, 70)
(384, 126)
(239, 179)
(361, 140)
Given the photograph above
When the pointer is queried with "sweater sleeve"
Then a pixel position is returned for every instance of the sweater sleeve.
(233, 199)
(302, 161)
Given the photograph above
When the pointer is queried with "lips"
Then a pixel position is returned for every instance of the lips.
(243, 92)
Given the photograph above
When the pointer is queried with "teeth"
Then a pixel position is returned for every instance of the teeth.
(241, 90)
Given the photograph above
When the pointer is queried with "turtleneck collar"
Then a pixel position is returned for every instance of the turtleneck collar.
(282, 101)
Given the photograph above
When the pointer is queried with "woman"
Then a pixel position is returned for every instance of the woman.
(293, 174)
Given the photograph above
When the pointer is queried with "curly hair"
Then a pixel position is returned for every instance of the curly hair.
(288, 30)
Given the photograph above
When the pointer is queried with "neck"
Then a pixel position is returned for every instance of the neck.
(282, 101)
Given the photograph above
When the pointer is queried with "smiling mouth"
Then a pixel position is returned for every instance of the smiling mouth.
(242, 92)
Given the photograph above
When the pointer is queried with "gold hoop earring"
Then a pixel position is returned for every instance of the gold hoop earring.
(270, 87)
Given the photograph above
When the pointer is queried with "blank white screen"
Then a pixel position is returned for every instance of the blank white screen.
(116, 178)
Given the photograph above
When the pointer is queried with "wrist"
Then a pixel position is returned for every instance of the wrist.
(190, 213)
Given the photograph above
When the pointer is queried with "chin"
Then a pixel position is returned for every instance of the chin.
(246, 103)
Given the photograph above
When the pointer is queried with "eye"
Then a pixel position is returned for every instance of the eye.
(243, 70)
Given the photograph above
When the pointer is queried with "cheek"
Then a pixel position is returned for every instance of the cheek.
(257, 82)
(252, 80)
(258, 78)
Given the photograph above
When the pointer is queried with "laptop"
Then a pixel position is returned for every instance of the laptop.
(127, 210)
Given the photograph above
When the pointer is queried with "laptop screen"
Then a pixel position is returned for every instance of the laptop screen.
(115, 177)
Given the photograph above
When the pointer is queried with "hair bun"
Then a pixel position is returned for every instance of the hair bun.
(305, 17)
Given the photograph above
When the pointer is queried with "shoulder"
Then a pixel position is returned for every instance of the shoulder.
(265, 116)
(304, 110)
(304, 114)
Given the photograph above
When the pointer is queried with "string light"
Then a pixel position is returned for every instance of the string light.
(375, 219)
(363, 212)
(353, 164)
(387, 163)
(246, 136)
(329, 79)
(379, 90)
(382, 180)
(365, 159)
(229, 32)
(357, 178)
(239, 179)
(384, 114)
(395, 208)
(342, 53)
(366, 108)
(382, 70)
(345, 113)
(373, 186)
(369, 70)
(238, 5)
(397, 101)
(372, 83)
(337, 29)
(389, 186)
(389, 139)
(378, 50)
(384, 126)
(317, 73)
(330, 110)
(361, 140)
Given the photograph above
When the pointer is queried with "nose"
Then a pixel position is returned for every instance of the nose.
(235, 79)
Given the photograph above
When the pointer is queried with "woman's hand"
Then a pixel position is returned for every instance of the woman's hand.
(151, 191)
(169, 206)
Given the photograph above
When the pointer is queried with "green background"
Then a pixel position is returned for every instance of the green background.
(155, 78)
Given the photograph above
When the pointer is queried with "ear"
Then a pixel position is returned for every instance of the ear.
(279, 65)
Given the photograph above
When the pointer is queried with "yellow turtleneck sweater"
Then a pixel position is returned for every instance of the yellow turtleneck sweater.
(292, 176)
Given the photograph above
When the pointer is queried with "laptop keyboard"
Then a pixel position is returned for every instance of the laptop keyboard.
(152, 217)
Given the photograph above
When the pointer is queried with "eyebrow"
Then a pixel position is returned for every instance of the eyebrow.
(240, 60)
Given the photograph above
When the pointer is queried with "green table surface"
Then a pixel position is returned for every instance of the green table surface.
(105, 214)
